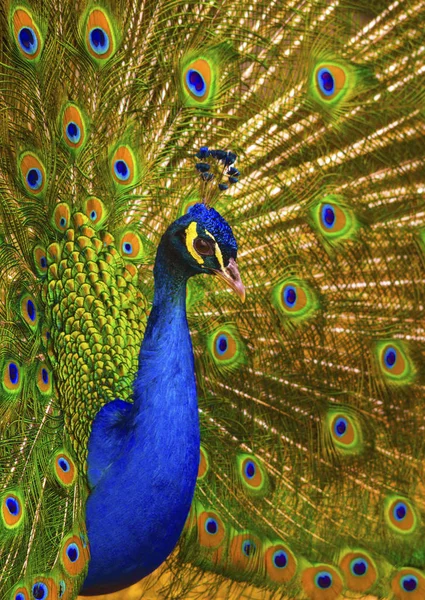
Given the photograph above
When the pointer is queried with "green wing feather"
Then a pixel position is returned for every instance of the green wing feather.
(311, 394)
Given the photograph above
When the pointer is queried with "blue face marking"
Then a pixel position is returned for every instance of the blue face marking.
(28, 40)
(45, 376)
(323, 580)
(13, 374)
(73, 132)
(328, 216)
(73, 552)
(400, 511)
(121, 170)
(211, 526)
(34, 178)
(340, 427)
(390, 357)
(195, 82)
(250, 469)
(64, 464)
(280, 559)
(128, 248)
(290, 296)
(12, 506)
(326, 82)
(249, 548)
(99, 40)
(409, 583)
(40, 591)
(358, 567)
(31, 310)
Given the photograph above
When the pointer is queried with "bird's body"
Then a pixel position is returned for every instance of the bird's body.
(303, 430)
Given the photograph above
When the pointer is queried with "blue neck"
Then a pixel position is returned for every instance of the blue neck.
(143, 458)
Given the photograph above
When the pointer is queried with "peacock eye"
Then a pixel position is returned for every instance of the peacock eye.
(204, 247)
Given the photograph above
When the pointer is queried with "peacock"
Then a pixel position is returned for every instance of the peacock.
(212, 291)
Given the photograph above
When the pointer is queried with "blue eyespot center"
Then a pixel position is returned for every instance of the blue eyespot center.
(34, 178)
(409, 583)
(400, 511)
(280, 559)
(31, 310)
(211, 526)
(19, 596)
(13, 374)
(62, 588)
(250, 469)
(249, 548)
(73, 552)
(323, 580)
(195, 82)
(45, 376)
(62, 222)
(73, 132)
(128, 248)
(290, 296)
(28, 40)
(43, 262)
(121, 169)
(99, 40)
(340, 427)
(64, 464)
(328, 216)
(222, 344)
(326, 82)
(93, 215)
(40, 591)
(390, 357)
(12, 506)
(359, 567)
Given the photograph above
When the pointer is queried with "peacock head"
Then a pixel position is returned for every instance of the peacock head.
(203, 242)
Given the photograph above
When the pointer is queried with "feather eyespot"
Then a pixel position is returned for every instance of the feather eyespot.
(252, 474)
(330, 81)
(211, 530)
(44, 379)
(27, 34)
(61, 217)
(226, 348)
(408, 584)
(123, 166)
(131, 246)
(100, 37)
(95, 210)
(40, 260)
(12, 510)
(359, 570)
(400, 515)
(64, 469)
(29, 311)
(197, 79)
(33, 174)
(20, 593)
(245, 551)
(281, 564)
(395, 362)
(44, 588)
(12, 380)
(73, 127)
(294, 299)
(322, 583)
(73, 556)
(345, 431)
(203, 464)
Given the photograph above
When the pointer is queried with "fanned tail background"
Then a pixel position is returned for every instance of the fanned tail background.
(311, 394)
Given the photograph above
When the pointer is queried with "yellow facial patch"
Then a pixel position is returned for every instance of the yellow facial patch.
(191, 235)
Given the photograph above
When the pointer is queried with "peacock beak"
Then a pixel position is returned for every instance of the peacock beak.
(230, 275)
